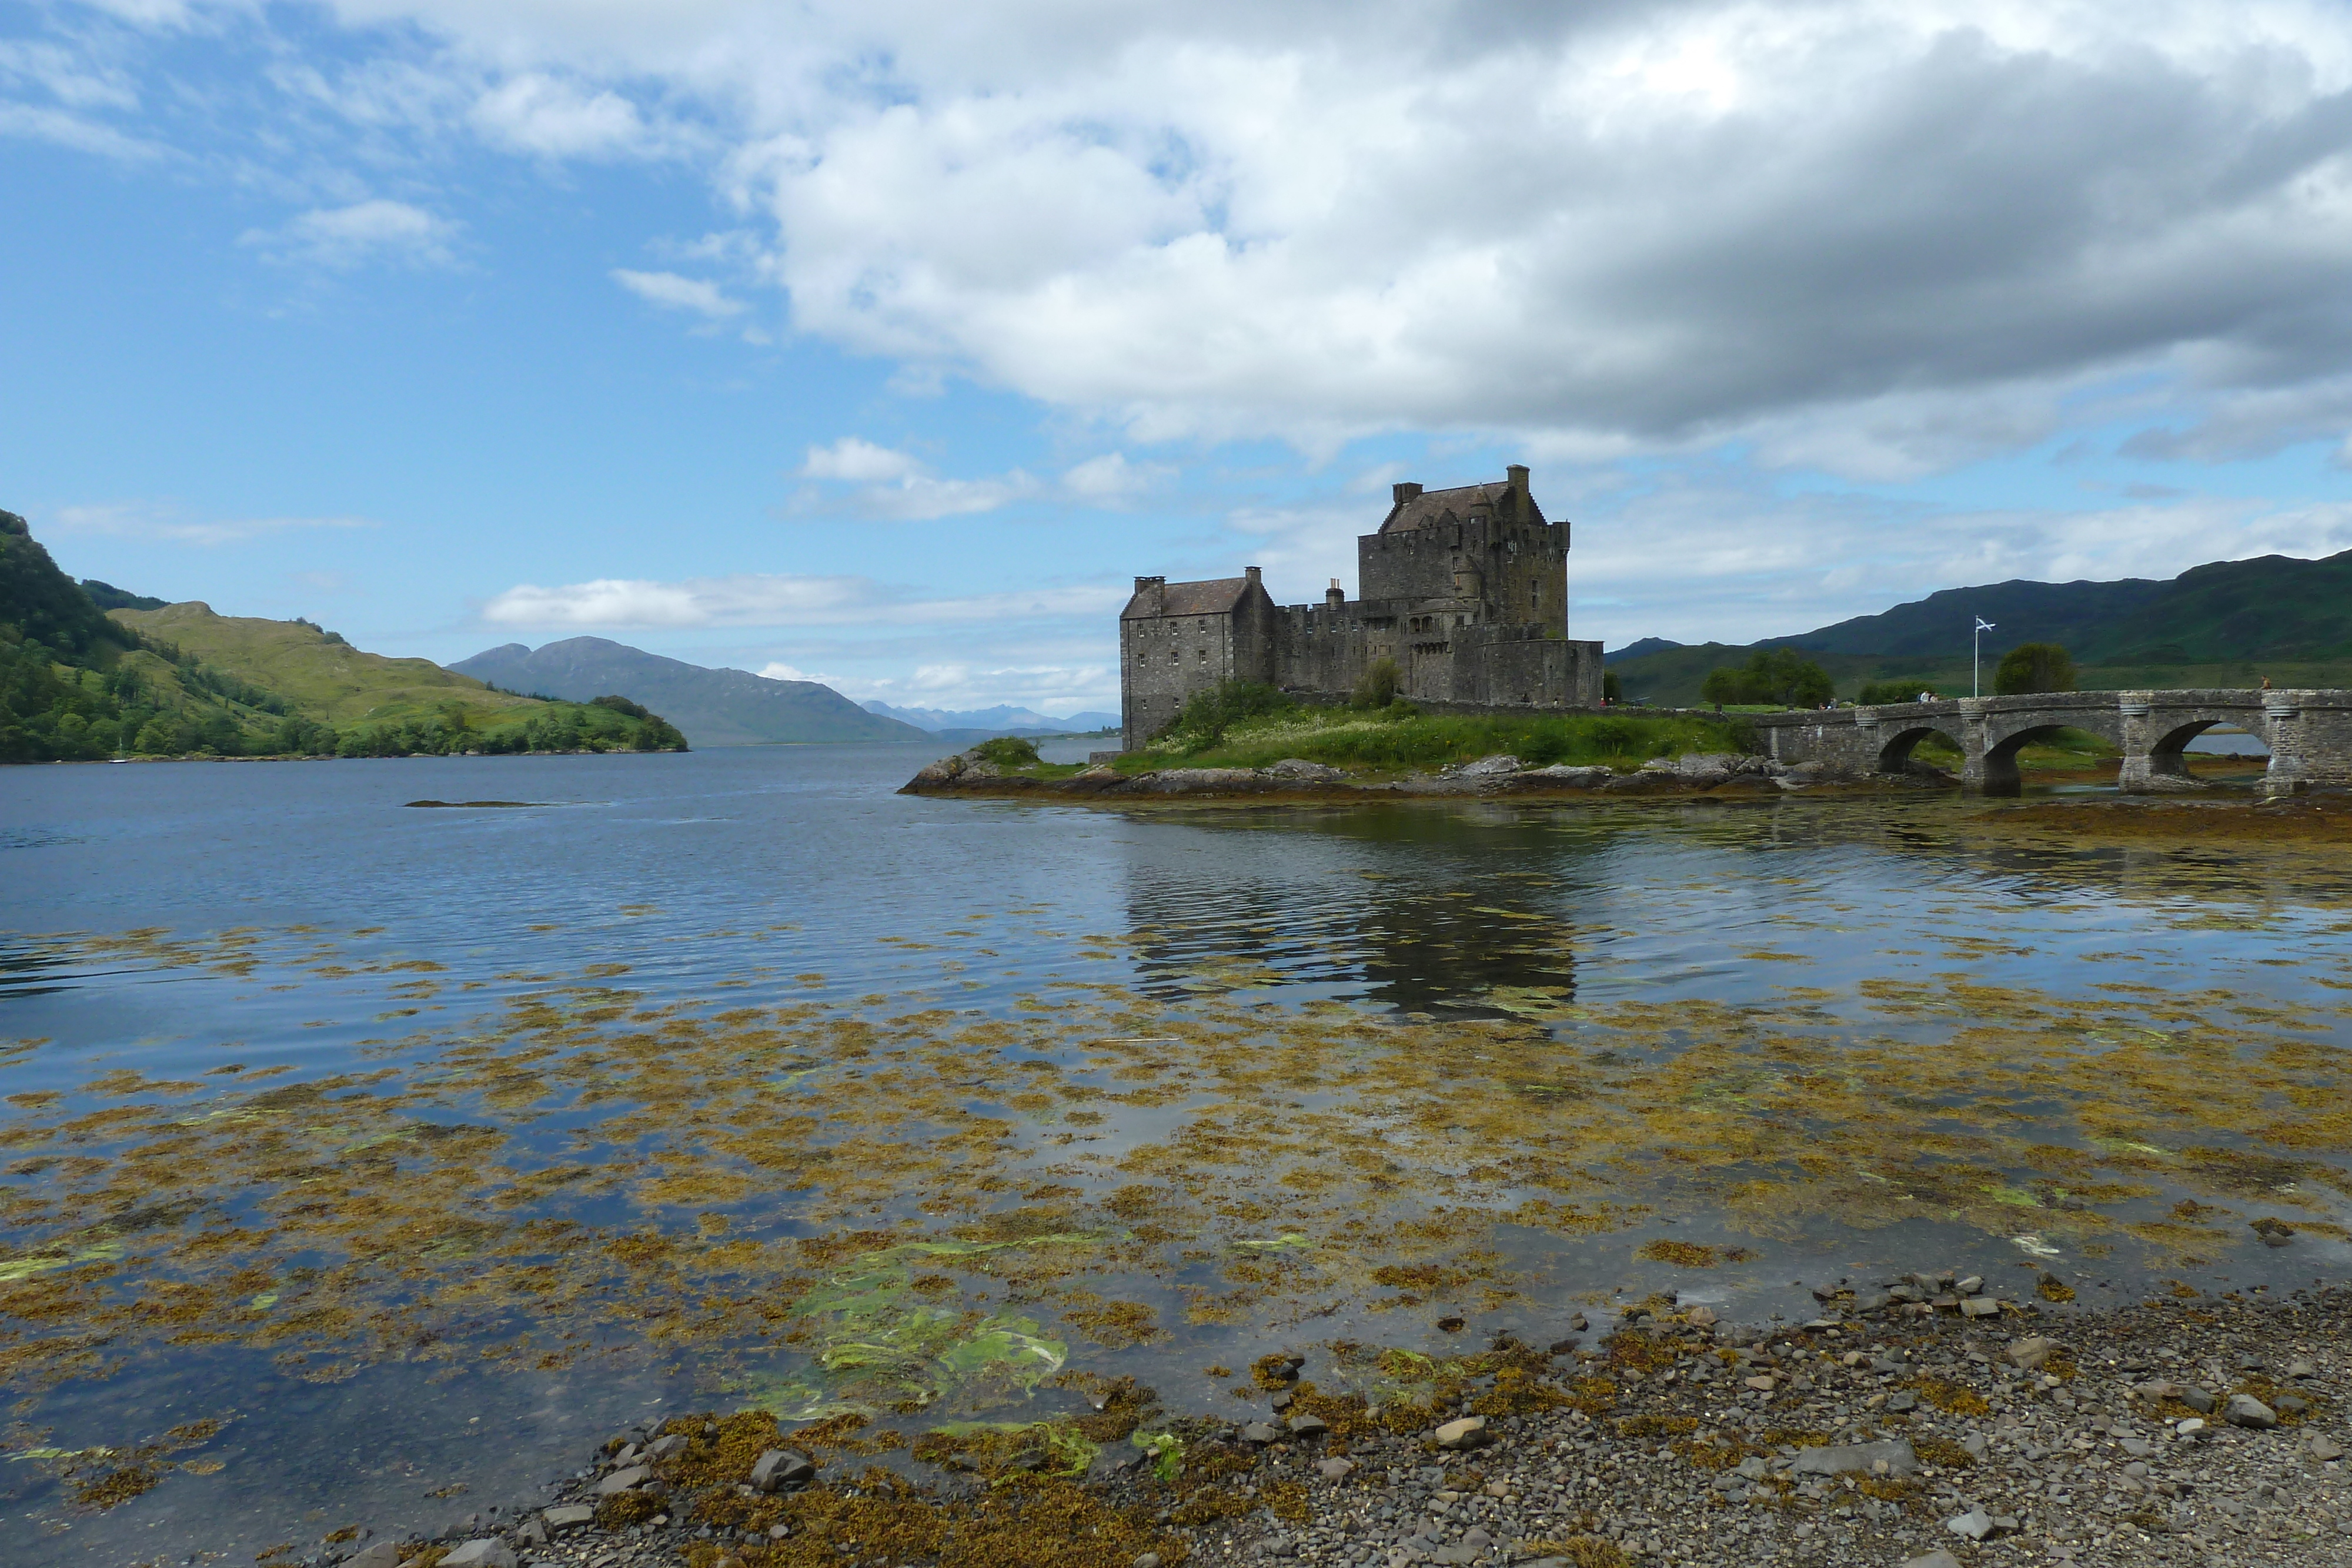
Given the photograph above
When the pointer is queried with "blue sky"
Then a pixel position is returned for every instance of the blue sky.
(885, 343)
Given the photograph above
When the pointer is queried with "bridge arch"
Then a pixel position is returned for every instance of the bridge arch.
(1900, 738)
(1998, 772)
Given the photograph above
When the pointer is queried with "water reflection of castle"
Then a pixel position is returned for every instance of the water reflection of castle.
(1298, 901)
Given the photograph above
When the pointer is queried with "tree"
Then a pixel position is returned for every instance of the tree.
(1897, 691)
(1780, 675)
(1612, 690)
(2034, 667)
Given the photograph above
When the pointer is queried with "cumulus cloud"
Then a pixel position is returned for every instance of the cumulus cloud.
(776, 599)
(169, 524)
(353, 235)
(673, 292)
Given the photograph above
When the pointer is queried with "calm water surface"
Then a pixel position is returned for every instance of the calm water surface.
(367, 1163)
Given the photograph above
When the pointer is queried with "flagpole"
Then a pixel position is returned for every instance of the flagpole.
(1976, 661)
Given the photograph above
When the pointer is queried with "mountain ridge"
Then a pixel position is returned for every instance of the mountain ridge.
(2221, 623)
(712, 706)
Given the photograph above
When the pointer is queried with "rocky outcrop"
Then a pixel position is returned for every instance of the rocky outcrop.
(1723, 773)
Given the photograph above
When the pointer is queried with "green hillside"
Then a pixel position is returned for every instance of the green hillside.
(2230, 623)
(180, 680)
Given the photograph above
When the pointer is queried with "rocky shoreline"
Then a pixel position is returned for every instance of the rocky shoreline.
(1926, 1421)
(1708, 773)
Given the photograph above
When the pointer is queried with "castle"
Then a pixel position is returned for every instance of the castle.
(1465, 591)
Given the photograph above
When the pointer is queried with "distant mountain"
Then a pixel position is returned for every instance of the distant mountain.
(714, 707)
(1637, 650)
(2226, 623)
(998, 720)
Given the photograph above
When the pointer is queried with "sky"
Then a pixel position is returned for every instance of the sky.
(886, 342)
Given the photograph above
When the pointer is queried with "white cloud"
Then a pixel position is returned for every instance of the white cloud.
(167, 523)
(673, 292)
(531, 112)
(78, 132)
(896, 488)
(777, 599)
(362, 231)
(856, 461)
(1111, 478)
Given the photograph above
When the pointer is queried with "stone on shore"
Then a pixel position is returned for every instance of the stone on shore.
(2245, 1410)
(2034, 1353)
(568, 1516)
(487, 1552)
(778, 1468)
(623, 1479)
(380, 1554)
(1859, 1458)
(1467, 1432)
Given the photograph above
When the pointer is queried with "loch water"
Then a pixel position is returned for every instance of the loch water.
(365, 1162)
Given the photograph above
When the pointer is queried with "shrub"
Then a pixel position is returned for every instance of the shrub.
(1207, 714)
(1378, 686)
(2034, 667)
(1009, 751)
(620, 704)
(1903, 691)
(1782, 675)
(1612, 690)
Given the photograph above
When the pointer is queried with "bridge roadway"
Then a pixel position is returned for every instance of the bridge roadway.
(2308, 734)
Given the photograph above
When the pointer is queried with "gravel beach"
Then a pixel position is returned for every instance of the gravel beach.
(1924, 1421)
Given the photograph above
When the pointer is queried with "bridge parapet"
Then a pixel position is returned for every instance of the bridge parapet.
(2308, 734)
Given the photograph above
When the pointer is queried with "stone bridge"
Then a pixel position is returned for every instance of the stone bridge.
(2308, 733)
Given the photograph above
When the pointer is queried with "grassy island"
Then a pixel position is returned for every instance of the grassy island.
(1239, 725)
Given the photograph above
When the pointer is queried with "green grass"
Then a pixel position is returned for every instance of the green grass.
(1384, 742)
(319, 674)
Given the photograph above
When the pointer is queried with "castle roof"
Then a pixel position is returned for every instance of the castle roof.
(1430, 506)
(1218, 596)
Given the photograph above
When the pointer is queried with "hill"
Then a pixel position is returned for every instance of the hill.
(2224, 624)
(76, 684)
(714, 707)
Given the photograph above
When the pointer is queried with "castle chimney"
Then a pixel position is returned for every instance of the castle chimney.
(1153, 590)
(1517, 472)
(1333, 597)
(1406, 492)
(1251, 573)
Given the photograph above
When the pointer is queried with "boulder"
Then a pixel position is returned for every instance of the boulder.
(1863, 1458)
(1973, 1525)
(377, 1554)
(2196, 1398)
(1261, 1434)
(1487, 766)
(1298, 770)
(568, 1516)
(1560, 776)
